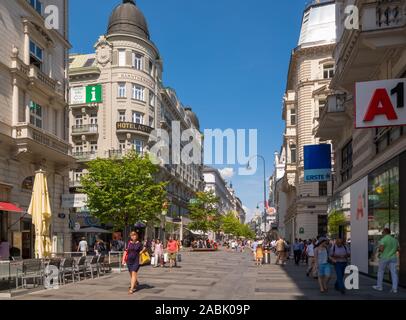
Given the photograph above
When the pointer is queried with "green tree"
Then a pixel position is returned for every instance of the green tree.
(123, 191)
(204, 212)
(335, 220)
(231, 225)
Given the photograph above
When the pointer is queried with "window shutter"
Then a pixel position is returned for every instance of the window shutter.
(129, 58)
(115, 58)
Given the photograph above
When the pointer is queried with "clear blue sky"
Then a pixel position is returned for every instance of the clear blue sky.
(227, 59)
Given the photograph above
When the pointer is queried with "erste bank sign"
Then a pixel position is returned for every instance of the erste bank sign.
(380, 103)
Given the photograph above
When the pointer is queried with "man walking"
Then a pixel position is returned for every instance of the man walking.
(310, 254)
(280, 250)
(297, 252)
(83, 246)
(388, 249)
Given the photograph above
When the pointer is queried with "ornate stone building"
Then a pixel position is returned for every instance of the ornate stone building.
(372, 160)
(33, 118)
(310, 71)
(118, 99)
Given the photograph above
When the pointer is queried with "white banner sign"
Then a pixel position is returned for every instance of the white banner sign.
(78, 95)
(380, 103)
(359, 224)
(74, 200)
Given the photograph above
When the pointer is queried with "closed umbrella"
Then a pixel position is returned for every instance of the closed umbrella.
(40, 210)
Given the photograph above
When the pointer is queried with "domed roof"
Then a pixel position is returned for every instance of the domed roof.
(128, 19)
(192, 116)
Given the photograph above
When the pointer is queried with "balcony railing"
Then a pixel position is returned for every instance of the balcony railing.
(28, 131)
(85, 156)
(116, 153)
(74, 184)
(85, 129)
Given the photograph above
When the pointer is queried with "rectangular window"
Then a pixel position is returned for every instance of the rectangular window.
(293, 153)
(346, 162)
(138, 92)
(93, 146)
(138, 146)
(151, 98)
(138, 117)
(93, 118)
(121, 58)
(328, 71)
(151, 68)
(36, 114)
(322, 221)
(121, 116)
(78, 175)
(137, 61)
(323, 188)
(121, 144)
(79, 120)
(79, 148)
(293, 117)
(37, 5)
(36, 55)
(122, 90)
(384, 199)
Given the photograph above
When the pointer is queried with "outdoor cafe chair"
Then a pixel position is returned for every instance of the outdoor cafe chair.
(93, 266)
(30, 269)
(81, 267)
(67, 268)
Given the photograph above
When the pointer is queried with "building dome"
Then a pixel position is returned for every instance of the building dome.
(128, 19)
(193, 118)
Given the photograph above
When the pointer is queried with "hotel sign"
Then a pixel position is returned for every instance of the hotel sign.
(380, 103)
(130, 126)
(129, 76)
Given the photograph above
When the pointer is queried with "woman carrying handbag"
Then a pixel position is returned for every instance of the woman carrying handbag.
(131, 258)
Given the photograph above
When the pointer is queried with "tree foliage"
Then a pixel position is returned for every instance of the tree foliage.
(335, 220)
(123, 191)
(203, 212)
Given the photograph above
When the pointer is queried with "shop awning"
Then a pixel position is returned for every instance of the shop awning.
(7, 206)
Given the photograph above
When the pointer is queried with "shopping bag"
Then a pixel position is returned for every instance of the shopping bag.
(179, 257)
(166, 257)
(144, 258)
(153, 261)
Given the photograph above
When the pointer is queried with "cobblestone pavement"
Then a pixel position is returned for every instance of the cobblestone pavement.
(219, 275)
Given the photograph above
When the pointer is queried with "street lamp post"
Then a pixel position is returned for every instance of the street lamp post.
(248, 166)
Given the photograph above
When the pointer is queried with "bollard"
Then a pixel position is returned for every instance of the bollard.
(267, 257)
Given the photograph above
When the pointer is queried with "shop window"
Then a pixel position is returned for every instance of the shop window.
(383, 207)
(346, 162)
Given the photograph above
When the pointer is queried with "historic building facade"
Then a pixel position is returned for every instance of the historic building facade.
(310, 71)
(370, 162)
(33, 119)
(117, 99)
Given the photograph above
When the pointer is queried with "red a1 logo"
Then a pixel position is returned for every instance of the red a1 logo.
(380, 103)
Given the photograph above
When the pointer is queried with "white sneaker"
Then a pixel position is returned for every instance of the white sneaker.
(377, 288)
(394, 291)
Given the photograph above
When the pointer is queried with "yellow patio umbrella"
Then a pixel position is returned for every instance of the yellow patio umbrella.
(40, 210)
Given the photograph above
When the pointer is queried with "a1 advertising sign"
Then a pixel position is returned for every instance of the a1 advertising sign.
(380, 103)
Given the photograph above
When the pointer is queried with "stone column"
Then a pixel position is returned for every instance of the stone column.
(16, 102)
(26, 46)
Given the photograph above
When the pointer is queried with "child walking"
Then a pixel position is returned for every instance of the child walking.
(259, 255)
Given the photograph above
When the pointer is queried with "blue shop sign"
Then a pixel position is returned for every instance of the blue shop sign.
(317, 163)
